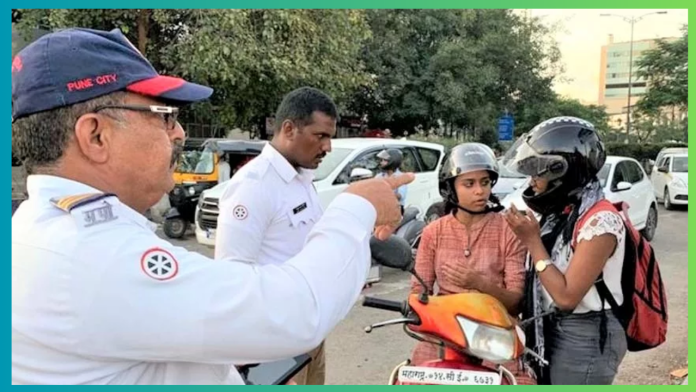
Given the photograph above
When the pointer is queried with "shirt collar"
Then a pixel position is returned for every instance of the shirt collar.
(45, 187)
(284, 168)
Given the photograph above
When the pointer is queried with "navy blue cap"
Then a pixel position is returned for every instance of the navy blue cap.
(75, 65)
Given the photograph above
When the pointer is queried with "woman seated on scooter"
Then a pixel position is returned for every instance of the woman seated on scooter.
(471, 248)
(583, 341)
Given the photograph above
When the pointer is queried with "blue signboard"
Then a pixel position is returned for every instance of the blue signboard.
(506, 128)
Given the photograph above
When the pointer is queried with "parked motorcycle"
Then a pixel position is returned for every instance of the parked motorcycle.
(469, 328)
(183, 200)
(410, 228)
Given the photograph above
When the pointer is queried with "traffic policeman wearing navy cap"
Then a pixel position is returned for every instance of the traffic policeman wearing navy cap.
(97, 297)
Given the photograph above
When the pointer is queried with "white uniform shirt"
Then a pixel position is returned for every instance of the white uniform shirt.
(271, 206)
(98, 298)
(224, 171)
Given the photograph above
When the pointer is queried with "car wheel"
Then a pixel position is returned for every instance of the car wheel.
(175, 228)
(667, 201)
(650, 224)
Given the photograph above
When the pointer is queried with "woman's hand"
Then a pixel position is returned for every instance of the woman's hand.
(525, 226)
(465, 277)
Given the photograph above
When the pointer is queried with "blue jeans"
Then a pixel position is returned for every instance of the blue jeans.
(573, 349)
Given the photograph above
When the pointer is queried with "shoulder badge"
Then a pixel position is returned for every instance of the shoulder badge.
(101, 213)
(69, 203)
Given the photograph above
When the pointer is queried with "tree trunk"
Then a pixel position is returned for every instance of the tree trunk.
(263, 135)
(143, 28)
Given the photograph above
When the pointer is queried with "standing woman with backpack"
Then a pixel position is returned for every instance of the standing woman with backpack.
(571, 247)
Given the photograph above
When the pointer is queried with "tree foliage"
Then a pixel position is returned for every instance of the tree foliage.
(666, 70)
(251, 57)
(453, 70)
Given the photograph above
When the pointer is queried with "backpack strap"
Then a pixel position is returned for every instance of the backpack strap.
(602, 205)
(605, 294)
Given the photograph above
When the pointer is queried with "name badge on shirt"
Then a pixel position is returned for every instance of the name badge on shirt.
(299, 208)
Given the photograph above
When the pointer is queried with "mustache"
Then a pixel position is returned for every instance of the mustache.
(177, 150)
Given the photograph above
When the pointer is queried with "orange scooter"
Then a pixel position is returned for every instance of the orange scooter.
(470, 327)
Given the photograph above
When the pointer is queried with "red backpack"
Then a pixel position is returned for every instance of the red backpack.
(643, 312)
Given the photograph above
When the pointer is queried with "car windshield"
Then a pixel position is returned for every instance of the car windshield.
(603, 174)
(330, 162)
(196, 162)
(680, 165)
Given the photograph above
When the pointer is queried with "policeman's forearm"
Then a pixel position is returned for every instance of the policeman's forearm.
(336, 258)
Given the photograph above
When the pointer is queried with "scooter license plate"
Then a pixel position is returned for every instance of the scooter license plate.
(440, 376)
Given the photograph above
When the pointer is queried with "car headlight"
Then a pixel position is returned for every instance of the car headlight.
(678, 183)
(192, 191)
(488, 342)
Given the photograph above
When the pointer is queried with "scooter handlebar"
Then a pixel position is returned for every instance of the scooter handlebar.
(384, 304)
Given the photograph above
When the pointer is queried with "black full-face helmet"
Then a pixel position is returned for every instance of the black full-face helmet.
(566, 151)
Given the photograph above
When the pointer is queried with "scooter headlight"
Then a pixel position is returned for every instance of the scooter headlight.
(487, 342)
(192, 191)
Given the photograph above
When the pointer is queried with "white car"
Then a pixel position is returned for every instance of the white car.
(508, 182)
(670, 180)
(669, 150)
(334, 174)
(623, 180)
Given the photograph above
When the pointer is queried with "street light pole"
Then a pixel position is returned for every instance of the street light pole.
(630, 83)
(632, 21)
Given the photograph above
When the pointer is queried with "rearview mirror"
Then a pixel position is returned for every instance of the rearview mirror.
(662, 169)
(359, 173)
(394, 252)
(623, 186)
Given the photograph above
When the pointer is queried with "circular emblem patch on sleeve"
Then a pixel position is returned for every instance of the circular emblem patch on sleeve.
(240, 212)
(159, 264)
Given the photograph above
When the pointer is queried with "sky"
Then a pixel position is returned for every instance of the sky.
(584, 32)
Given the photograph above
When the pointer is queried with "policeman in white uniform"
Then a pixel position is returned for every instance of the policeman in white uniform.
(272, 205)
(272, 201)
(97, 297)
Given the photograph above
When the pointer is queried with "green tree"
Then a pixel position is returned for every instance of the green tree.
(251, 57)
(666, 70)
(459, 68)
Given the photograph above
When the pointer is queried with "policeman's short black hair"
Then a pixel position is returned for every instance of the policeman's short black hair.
(299, 105)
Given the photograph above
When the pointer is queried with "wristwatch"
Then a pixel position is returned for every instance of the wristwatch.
(541, 265)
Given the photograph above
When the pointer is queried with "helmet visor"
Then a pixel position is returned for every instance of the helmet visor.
(524, 159)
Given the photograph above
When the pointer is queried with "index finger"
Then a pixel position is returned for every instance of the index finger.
(513, 208)
(403, 179)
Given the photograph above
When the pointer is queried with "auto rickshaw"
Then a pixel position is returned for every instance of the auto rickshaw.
(197, 170)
